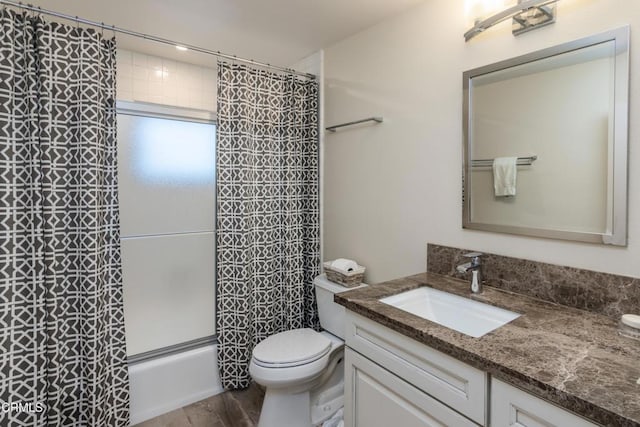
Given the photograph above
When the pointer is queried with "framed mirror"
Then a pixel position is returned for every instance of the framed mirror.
(545, 142)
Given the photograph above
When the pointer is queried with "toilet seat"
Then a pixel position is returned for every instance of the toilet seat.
(291, 348)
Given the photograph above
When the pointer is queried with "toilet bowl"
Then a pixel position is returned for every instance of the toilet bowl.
(292, 384)
(302, 369)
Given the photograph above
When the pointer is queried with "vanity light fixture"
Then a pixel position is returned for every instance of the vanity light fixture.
(181, 48)
(527, 15)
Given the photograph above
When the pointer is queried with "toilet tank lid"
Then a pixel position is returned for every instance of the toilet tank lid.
(330, 286)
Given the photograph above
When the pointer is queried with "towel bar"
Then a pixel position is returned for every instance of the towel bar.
(369, 119)
(522, 161)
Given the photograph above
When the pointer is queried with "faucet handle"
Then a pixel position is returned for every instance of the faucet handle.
(473, 255)
(475, 258)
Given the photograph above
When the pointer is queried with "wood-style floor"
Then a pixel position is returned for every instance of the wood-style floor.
(229, 409)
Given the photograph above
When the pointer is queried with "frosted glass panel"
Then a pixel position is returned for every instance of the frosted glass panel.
(169, 290)
(167, 193)
(166, 171)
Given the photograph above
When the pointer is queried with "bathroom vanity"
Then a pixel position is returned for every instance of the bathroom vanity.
(552, 366)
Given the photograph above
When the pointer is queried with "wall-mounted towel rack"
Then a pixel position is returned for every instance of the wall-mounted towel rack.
(522, 161)
(369, 119)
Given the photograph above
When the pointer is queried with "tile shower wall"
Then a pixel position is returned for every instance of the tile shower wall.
(147, 78)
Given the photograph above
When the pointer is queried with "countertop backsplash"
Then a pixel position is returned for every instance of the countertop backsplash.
(602, 293)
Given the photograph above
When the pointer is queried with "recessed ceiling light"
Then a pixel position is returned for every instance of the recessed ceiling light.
(182, 48)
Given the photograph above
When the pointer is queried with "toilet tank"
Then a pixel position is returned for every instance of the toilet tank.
(331, 314)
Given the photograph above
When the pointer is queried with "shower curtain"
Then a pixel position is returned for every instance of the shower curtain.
(268, 239)
(62, 343)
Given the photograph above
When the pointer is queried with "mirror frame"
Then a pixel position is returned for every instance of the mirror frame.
(618, 233)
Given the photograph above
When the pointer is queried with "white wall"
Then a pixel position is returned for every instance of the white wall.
(314, 64)
(393, 187)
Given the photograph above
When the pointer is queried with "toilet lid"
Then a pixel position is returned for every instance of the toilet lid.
(292, 348)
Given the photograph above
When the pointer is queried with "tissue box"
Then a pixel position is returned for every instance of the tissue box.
(349, 280)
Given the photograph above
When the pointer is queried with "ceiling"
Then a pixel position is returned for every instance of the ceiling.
(279, 32)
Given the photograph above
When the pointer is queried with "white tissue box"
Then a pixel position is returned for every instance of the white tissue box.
(347, 279)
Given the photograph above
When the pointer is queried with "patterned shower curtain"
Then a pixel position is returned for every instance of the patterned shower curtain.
(62, 343)
(268, 239)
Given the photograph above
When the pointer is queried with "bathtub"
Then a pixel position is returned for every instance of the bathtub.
(170, 382)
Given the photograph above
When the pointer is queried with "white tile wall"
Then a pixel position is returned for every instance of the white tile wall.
(147, 78)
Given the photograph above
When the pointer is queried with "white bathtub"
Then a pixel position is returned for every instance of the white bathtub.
(161, 385)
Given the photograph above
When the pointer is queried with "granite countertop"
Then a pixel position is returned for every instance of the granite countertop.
(571, 357)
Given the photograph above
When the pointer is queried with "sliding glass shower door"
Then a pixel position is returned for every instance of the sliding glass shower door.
(166, 163)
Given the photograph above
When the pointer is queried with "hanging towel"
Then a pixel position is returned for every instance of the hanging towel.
(504, 176)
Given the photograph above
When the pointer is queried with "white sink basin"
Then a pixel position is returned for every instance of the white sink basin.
(464, 315)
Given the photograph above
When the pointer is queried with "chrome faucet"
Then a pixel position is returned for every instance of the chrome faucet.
(475, 266)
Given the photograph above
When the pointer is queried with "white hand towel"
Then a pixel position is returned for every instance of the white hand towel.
(504, 176)
(346, 265)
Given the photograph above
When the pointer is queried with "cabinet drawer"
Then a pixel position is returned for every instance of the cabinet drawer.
(374, 397)
(511, 406)
(450, 381)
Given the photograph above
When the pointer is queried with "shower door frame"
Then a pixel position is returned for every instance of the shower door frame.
(169, 112)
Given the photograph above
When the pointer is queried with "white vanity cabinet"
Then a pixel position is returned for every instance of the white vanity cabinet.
(379, 398)
(394, 381)
(511, 406)
(421, 384)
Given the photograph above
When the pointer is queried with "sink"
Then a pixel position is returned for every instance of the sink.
(464, 315)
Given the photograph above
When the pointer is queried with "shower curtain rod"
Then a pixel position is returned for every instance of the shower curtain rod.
(115, 29)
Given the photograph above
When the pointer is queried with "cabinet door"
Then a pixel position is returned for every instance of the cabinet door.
(449, 380)
(374, 397)
(511, 406)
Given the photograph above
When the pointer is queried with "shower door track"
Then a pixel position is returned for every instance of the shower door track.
(172, 349)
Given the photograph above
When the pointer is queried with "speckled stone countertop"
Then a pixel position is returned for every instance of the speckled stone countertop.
(571, 357)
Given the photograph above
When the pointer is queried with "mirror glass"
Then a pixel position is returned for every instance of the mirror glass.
(557, 119)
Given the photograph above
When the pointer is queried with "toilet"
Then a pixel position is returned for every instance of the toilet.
(303, 370)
